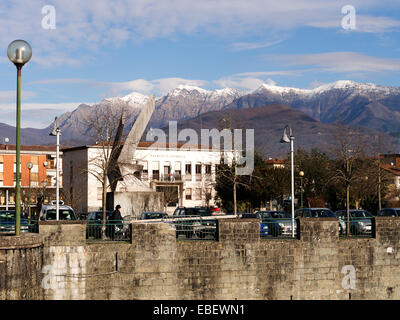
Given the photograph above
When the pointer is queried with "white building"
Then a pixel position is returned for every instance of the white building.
(186, 176)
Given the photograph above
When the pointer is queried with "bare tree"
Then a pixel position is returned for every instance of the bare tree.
(349, 162)
(105, 126)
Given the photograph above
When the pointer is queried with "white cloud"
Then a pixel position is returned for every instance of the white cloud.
(339, 62)
(93, 24)
(36, 115)
(241, 46)
(7, 96)
(364, 23)
(113, 89)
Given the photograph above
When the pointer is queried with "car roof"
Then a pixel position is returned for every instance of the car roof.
(53, 206)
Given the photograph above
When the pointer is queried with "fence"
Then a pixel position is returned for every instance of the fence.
(357, 227)
(114, 231)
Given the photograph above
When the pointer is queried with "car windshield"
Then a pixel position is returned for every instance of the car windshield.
(196, 212)
(8, 216)
(398, 212)
(326, 213)
(155, 215)
(361, 214)
(281, 214)
(64, 214)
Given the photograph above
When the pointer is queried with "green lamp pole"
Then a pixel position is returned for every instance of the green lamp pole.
(19, 52)
(29, 165)
(301, 173)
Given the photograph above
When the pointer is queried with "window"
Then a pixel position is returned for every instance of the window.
(198, 194)
(188, 194)
(156, 175)
(34, 176)
(198, 168)
(99, 193)
(208, 168)
(188, 168)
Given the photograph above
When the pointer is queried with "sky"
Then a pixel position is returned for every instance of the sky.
(85, 51)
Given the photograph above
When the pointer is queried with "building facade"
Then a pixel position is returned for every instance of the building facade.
(42, 175)
(185, 176)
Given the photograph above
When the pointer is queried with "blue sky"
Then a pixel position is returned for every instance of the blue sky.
(103, 48)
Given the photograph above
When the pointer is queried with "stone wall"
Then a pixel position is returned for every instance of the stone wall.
(20, 267)
(239, 265)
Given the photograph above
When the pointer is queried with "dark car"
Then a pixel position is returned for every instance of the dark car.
(319, 213)
(7, 222)
(275, 223)
(95, 222)
(188, 222)
(154, 215)
(191, 212)
(360, 221)
(389, 212)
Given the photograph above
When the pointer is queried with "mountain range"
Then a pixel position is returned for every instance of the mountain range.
(368, 106)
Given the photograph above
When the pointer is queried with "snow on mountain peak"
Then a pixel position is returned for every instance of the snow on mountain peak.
(278, 89)
(178, 90)
(135, 97)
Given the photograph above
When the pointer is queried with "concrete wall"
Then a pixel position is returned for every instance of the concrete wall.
(238, 266)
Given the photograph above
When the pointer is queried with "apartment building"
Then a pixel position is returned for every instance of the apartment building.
(42, 177)
(185, 175)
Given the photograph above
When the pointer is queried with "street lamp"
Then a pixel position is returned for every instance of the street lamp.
(301, 174)
(289, 139)
(19, 52)
(44, 182)
(56, 132)
(29, 165)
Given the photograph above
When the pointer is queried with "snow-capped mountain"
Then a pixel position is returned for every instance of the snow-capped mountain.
(353, 103)
(369, 105)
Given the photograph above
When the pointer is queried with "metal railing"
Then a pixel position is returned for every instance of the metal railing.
(115, 231)
(359, 228)
(26, 225)
(271, 228)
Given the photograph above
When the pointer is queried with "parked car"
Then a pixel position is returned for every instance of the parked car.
(191, 212)
(275, 223)
(389, 212)
(7, 222)
(95, 222)
(154, 215)
(360, 221)
(186, 223)
(319, 213)
(48, 212)
(315, 213)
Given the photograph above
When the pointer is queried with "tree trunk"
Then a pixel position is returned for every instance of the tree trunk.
(348, 209)
(270, 203)
(234, 197)
(357, 204)
(103, 228)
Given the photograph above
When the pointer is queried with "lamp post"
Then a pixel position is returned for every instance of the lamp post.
(301, 174)
(29, 165)
(56, 132)
(44, 182)
(19, 52)
(289, 139)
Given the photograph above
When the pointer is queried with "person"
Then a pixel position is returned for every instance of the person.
(116, 220)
